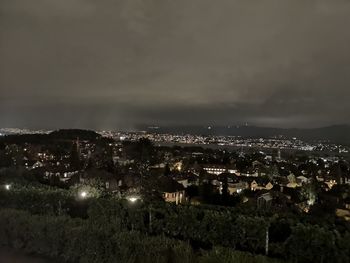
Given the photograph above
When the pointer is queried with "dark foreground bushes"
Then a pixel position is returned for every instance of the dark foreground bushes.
(76, 240)
(37, 200)
(108, 219)
(288, 239)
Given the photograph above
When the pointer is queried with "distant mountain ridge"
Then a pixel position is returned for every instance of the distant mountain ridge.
(335, 133)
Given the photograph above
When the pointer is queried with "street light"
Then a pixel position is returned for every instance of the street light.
(83, 194)
(132, 199)
(7, 187)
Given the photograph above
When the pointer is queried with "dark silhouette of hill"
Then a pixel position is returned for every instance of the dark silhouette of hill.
(59, 135)
(72, 134)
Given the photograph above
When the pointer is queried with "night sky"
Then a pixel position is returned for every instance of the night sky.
(116, 64)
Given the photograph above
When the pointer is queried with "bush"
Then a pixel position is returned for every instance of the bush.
(77, 240)
(218, 255)
(309, 243)
(201, 227)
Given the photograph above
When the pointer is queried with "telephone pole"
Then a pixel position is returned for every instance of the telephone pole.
(267, 241)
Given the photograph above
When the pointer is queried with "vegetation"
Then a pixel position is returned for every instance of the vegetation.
(180, 228)
(77, 240)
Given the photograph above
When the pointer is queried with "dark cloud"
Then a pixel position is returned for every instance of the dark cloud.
(115, 64)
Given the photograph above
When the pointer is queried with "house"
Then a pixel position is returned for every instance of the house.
(219, 169)
(112, 185)
(257, 164)
(59, 172)
(171, 190)
(187, 180)
(302, 180)
(250, 173)
(345, 179)
(231, 178)
(330, 183)
(234, 188)
(260, 186)
(130, 181)
(264, 201)
(269, 186)
(158, 166)
(184, 182)
(275, 199)
(215, 170)
(292, 185)
(177, 197)
(233, 170)
(343, 213)
(122, 161)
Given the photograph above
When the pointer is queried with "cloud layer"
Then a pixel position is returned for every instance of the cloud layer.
(116, 64)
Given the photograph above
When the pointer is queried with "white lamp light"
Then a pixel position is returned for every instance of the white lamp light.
(83, 194)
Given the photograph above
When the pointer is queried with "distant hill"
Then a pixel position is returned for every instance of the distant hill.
(336, 133)
(59, 135)
(72, 134)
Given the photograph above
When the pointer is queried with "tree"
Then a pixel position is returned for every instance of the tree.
(225, 192)
(311, 244)
(310, 191)
(5, 159)
(167, 170)
(273, 172)
(75, 156)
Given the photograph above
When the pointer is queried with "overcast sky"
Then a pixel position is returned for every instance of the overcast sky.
(119, 63)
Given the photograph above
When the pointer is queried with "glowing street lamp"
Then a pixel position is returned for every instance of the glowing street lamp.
(7, 187)
(133, 199)
(83, 194)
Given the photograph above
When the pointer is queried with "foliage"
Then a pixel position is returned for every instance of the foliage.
(219, 254)
(76, 240)
(314, 244)
(37, 200)
(203, 227)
